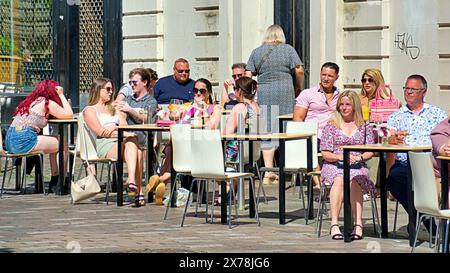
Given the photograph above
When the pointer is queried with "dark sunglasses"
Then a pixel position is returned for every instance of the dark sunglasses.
(202, 91)
(108, 89)
(187, 71)
(364, 80)
(133, 82)
(237, 76)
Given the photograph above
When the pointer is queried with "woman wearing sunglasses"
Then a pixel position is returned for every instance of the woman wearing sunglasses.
(202, 108)
(46, 101)
(102, 119)
(371, 79)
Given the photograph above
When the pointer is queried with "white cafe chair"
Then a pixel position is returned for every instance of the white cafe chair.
(426, 200)
(209, 164)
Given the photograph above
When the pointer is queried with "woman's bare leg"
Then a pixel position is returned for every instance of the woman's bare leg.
(356, 200)
(336, 198)
(49, 145)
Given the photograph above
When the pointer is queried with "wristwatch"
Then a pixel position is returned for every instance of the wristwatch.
(361, 158)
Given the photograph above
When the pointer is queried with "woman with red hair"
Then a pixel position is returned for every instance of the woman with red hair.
(46, 101)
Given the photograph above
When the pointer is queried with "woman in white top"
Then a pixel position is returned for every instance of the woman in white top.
(102, 119)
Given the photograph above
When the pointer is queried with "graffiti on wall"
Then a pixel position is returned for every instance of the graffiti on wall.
(405, 43)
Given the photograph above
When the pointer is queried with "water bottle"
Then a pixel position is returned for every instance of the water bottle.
(149, 114)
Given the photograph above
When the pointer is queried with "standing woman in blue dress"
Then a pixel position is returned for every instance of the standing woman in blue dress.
(275, 63)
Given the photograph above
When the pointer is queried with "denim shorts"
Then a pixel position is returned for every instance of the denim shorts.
(20, 140)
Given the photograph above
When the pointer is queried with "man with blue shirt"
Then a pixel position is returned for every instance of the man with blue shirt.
(418, 119)
(176, 86)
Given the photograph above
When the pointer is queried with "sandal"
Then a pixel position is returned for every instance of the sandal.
(337, 236)
(354, 236)
(140, 200)
(132, 189)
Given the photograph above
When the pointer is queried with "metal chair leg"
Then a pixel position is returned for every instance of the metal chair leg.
(101, 172)
(377, 217)
(437, 245)
(320, 211)
(207, 200)
(187, 202)
(4, 177)
(24, 175)
(418, 221)
(230, 208)
(252, 184)
(213, 200)
(302, 194)
(171, 196)
(108, 183)
(199, 196)
(394, 232)
(41, 160)
(445, 248)
(261, 184)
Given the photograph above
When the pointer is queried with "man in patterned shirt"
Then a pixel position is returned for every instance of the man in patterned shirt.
(418, 119)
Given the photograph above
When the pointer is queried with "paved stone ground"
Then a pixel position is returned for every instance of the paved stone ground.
(39, 223)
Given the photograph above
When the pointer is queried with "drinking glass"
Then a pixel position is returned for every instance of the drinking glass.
(176, 106)
(365, 112)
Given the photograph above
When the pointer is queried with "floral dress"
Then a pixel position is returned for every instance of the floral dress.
(232, 146)
(332, 139)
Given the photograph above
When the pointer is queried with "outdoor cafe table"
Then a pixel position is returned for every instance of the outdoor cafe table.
(281, 119)
(282, 138)
(445, 160)
(138, 127)
(381, 149)
(61, 187)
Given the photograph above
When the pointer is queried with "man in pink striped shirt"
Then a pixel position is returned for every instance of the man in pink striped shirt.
(319, 102)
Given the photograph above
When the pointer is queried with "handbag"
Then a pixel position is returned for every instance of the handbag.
(84, 188)
(381, 109)
(357, 165)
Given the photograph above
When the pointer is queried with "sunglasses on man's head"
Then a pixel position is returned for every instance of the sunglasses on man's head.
(237, 76)
(365, 80)
(201, 91)
(187, 71)
(133, 82)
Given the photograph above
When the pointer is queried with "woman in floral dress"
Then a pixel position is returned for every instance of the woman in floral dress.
(347, 127)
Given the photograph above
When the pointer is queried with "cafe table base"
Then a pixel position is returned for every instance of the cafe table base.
(381, 149)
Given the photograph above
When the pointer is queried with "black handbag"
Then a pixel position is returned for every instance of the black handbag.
(340, 165)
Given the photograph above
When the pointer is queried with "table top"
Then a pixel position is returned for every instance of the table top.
(136, 127)
(152, 127)
(446, 158)
(386, 147)
(287, 116)
(274, 136)
(73, 120)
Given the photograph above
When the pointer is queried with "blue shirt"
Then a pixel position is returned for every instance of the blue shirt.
(418, 126)
(168, 88)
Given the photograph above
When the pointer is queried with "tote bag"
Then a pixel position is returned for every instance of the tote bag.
(84, 188)
(381, 109)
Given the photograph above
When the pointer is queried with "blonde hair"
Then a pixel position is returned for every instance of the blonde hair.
(337, 120)
(274, 35)
(94, 93)
(378, 78)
